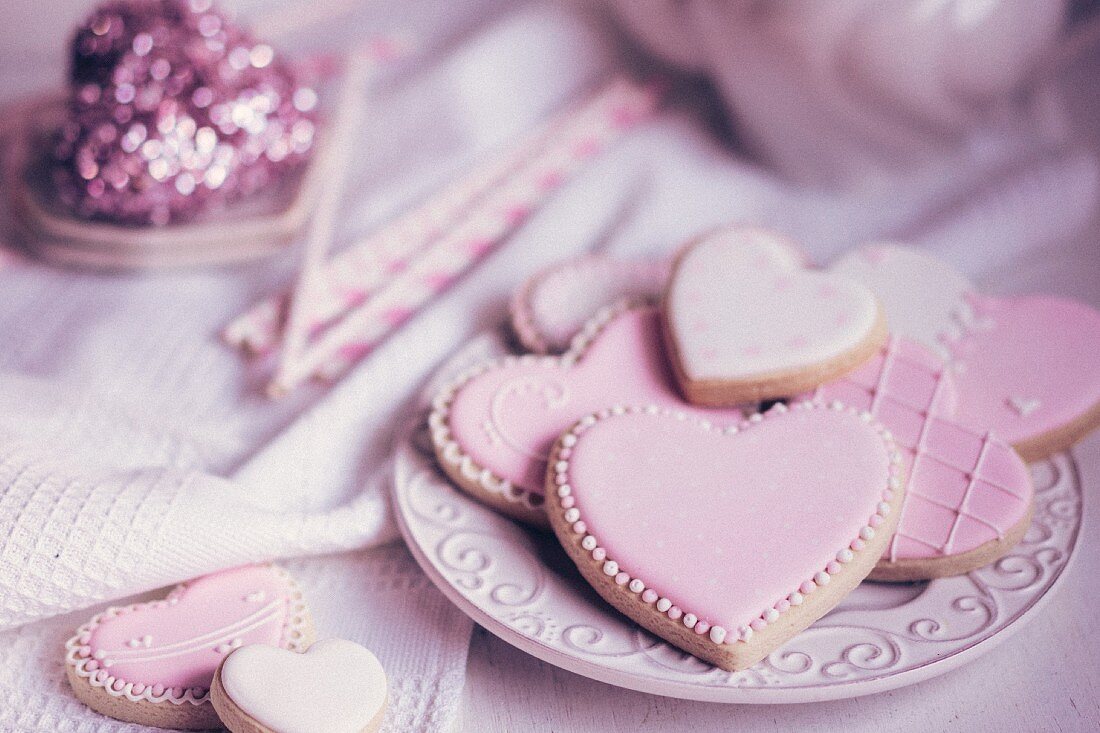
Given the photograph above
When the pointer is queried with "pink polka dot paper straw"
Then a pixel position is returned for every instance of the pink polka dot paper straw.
(590, 130)
(360, 69)
(353, 274)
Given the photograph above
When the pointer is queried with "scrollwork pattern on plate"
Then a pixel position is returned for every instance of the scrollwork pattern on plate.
(931, 629)
(429, 502)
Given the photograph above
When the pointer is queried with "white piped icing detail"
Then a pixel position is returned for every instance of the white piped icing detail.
(229, 646)
(719, 634)
(448, 451)
(1024, 406)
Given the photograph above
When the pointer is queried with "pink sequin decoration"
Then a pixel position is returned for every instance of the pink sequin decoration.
(172, 110)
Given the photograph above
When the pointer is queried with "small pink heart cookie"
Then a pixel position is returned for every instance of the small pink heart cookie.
(153, 663)
(1025, 367)
(746, 325)
(725, 541)
(553, 305)
(493, 427)
(969, 495)
(336, 686)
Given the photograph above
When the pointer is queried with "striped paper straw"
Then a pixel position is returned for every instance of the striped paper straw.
(353, 274)
(451, 255)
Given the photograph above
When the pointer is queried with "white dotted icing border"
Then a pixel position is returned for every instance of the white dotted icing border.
(76, 648)
(450, 452)
(718, 634)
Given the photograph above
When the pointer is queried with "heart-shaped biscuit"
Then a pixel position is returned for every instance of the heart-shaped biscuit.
(336, 686)
(742, 327)
(1025, 366)
(493, 427)
(725, 541)
(153, 663)
(553, 305)
(968, 497)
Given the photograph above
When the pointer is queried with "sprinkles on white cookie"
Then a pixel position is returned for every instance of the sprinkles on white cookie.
(638, 586)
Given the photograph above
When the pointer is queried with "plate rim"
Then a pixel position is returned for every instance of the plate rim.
(726, 695)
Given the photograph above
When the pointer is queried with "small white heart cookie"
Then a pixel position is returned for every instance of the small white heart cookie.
(744, 324)
(336, 686)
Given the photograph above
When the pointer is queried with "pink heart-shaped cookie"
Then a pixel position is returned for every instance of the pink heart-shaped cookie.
(1024, 365)
(153, 663)
(553, 305)
(1027, 368)
(336, 686)
(968, 496)
(745, 326)
(494, 426)
(725, 541)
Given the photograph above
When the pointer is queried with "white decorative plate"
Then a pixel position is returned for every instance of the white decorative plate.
(519, 584)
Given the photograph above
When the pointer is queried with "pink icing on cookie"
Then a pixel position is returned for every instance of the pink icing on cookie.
(507, 417)
(730, 527)
(1024, 365)
(965, 488)
(1028, 365)
(760, 318)
(169, 649)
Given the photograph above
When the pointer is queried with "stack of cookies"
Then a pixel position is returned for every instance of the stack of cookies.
(727, 443)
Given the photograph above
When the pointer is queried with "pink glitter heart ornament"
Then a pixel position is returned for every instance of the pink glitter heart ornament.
(174, 110)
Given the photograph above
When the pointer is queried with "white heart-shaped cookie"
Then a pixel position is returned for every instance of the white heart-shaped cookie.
(745, 326)
(336, 686)
(552, 306)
